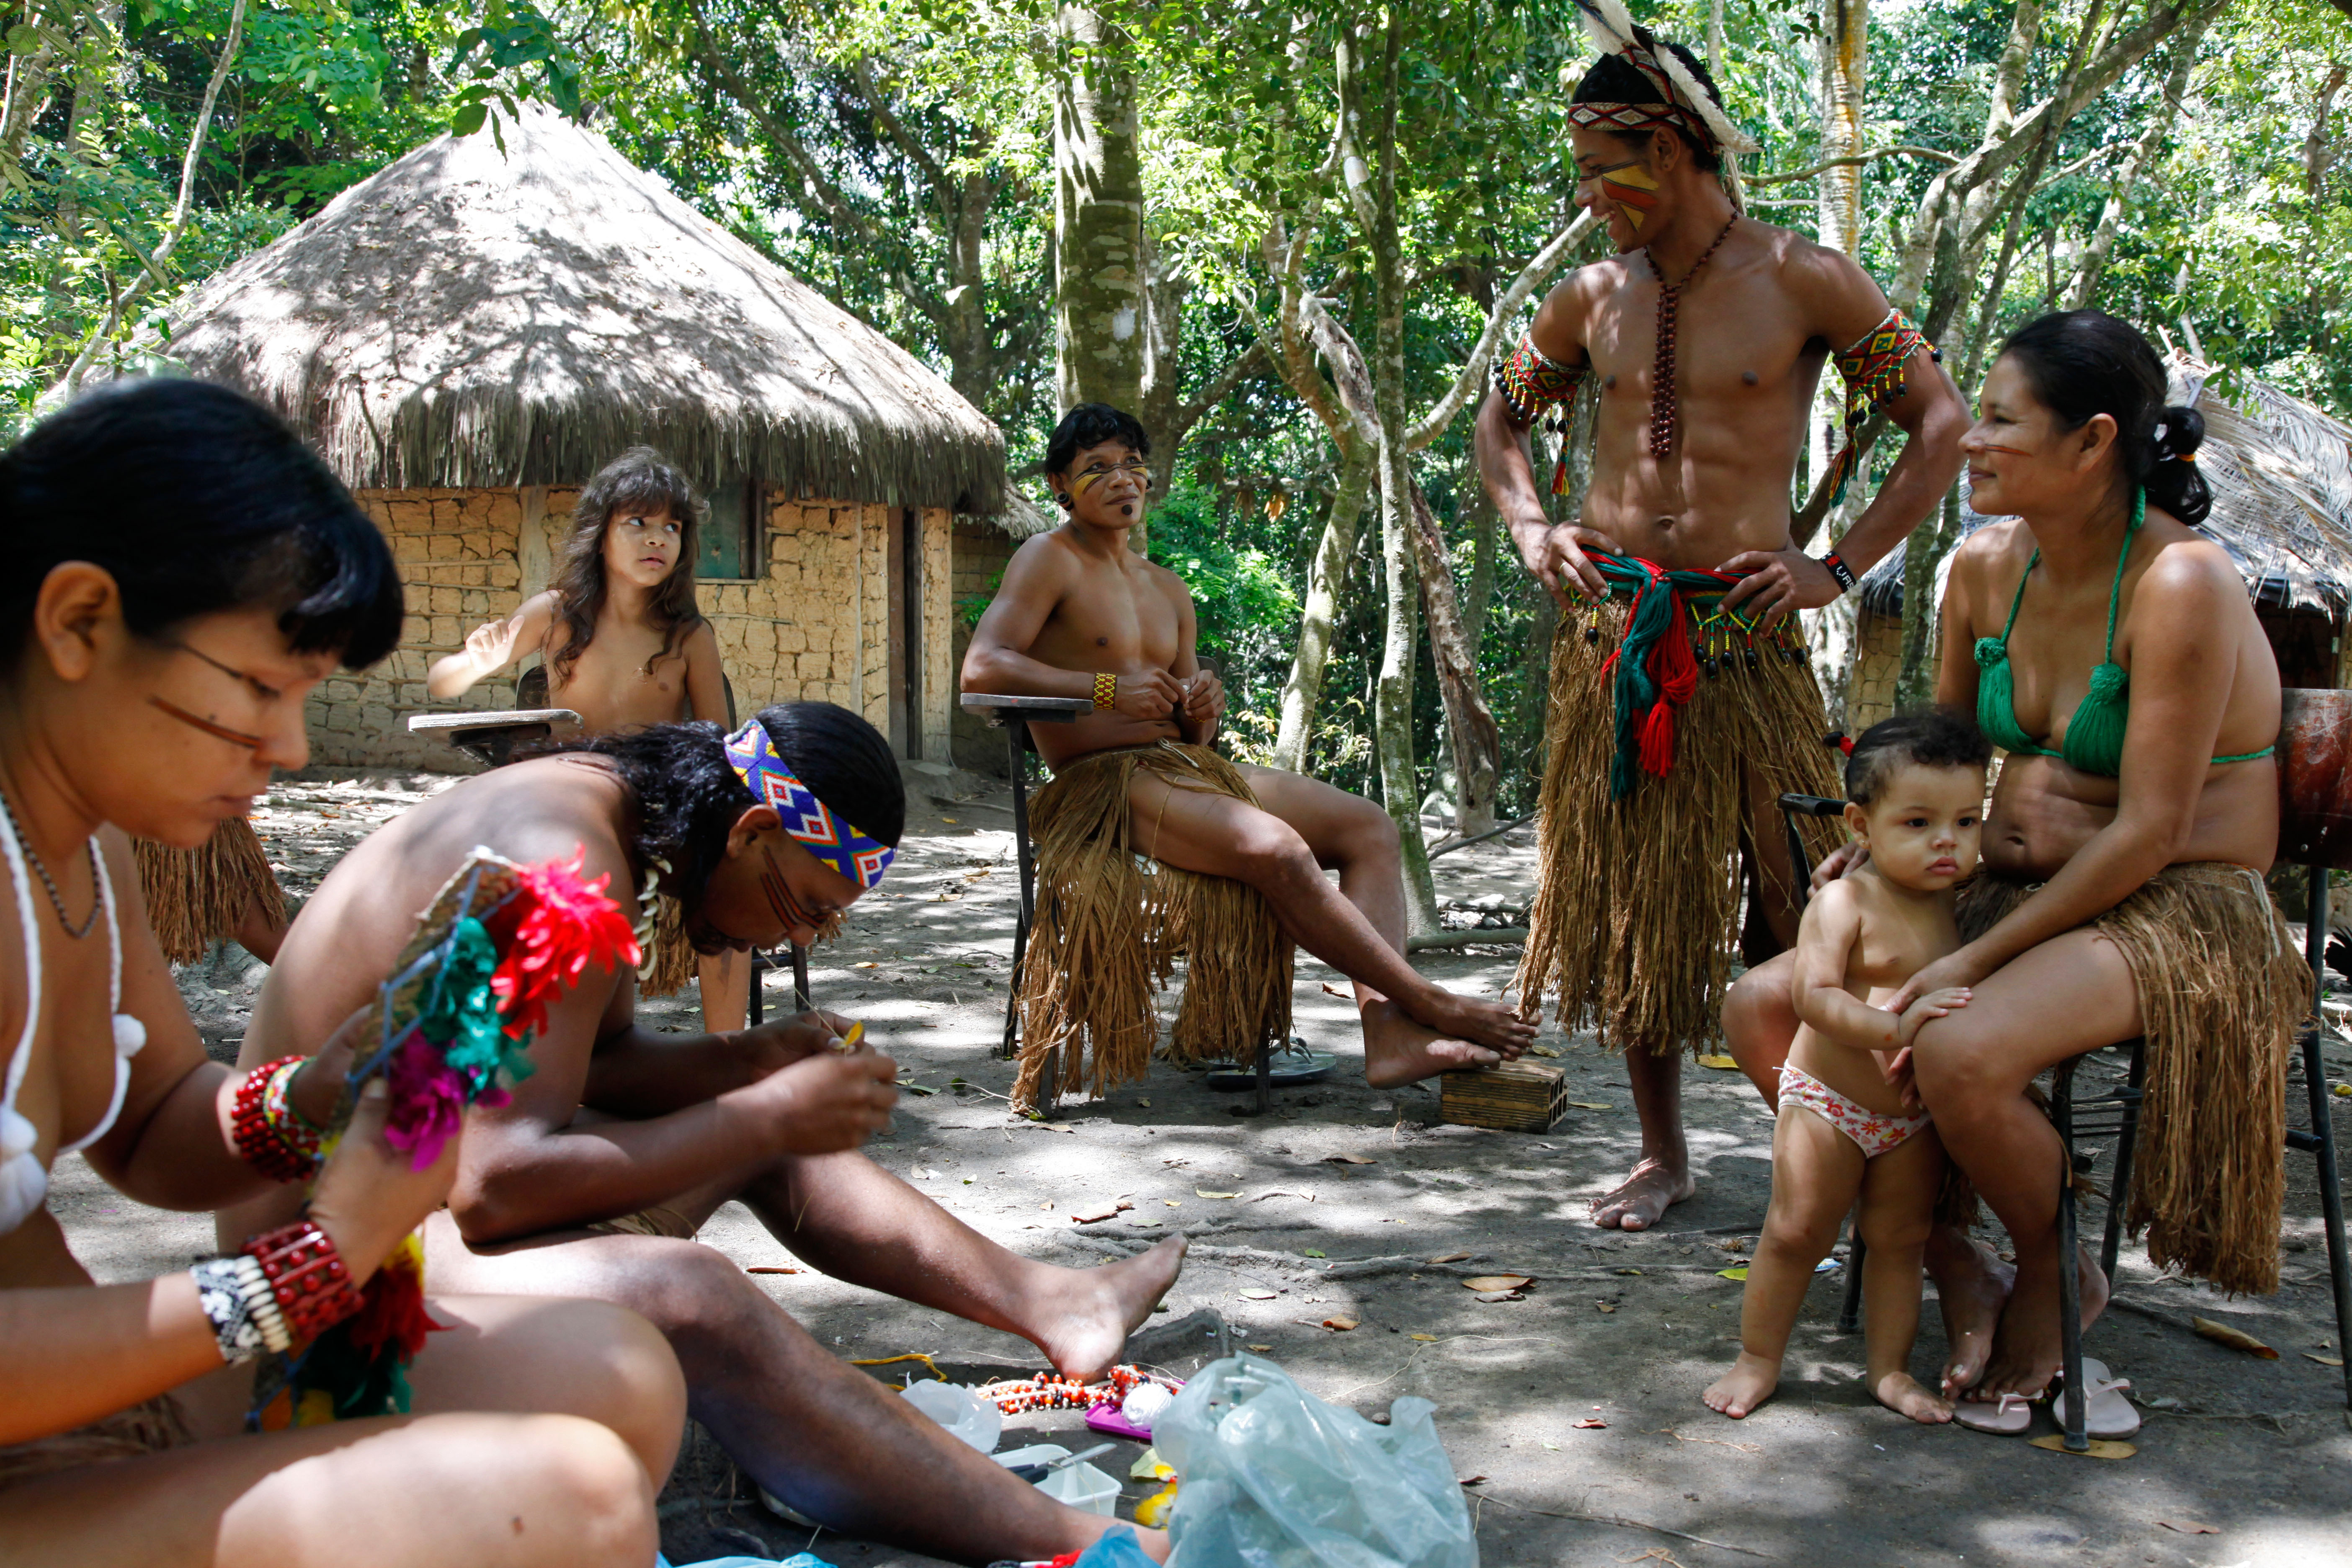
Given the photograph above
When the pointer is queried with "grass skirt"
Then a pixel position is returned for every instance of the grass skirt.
(2221, 990)
(1638, 905)
(197, 897)
(154, 1427)
(1111, 924)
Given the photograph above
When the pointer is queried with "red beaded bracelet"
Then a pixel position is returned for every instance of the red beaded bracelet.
(264, 1132)
(313, 1289)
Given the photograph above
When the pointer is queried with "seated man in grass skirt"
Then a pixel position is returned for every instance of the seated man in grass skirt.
(1150, 845)
(621, 1141)
(1682, 699)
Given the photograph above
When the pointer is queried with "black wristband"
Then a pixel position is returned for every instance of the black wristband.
(1840, 571)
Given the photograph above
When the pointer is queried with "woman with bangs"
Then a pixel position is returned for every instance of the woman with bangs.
(162, 651)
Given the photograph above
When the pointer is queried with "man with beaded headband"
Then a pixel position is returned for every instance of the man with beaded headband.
(1682, 701)
(592, 1180)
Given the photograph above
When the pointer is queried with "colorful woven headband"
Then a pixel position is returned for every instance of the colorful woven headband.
(753, 757)
(1681, 99)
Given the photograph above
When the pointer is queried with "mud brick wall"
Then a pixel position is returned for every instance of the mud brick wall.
(814, 625)
(1877, 665)
(979, 554)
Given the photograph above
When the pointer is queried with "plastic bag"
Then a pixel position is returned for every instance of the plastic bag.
(1274, 1478)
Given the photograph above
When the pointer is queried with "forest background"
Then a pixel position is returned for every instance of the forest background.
(1290, 235)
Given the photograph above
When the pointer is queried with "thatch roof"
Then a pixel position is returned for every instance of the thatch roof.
(2280, 471)
(471, 318)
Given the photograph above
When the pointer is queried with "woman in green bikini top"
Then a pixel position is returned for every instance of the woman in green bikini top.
(2121, 894)
(2094, 735)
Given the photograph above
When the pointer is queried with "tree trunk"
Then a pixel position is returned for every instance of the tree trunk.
(1477, 743)
(1392, 709)
(28, 84)
(2094, 260)
(1326, 579)
(1844, 60)
(1098, 326)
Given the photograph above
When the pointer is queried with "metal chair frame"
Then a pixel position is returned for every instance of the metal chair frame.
(1013, 715)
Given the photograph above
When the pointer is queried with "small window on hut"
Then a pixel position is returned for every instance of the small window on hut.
(730, 537)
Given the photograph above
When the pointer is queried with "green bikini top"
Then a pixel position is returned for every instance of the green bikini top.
(2094, 735)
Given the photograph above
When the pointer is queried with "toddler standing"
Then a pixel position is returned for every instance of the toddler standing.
(1915, 797)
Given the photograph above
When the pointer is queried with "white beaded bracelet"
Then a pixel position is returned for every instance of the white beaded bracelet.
(261, 1304)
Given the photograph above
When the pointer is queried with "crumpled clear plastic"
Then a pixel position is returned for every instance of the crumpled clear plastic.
(1274, 1478)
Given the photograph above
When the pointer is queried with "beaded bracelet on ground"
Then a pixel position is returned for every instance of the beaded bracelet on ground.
(1053, 1391)
(271, 1135)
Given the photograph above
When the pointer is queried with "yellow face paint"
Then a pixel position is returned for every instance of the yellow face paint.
(1631, 190)
(1087, 481)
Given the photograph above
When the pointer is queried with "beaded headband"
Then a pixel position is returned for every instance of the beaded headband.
(753, 757)
(1681, 100)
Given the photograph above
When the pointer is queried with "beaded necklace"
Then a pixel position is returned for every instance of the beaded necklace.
(1662, 373)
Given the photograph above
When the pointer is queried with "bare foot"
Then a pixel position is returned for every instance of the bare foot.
(1901, 1394)
(1749, 1383)
(1088, 1327)
(1399, 1051)
(1971, 1286)
(1654, 1187)
(1489, 1024)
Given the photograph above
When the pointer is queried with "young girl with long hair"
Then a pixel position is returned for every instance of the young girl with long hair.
(624, 646)
(158, 656)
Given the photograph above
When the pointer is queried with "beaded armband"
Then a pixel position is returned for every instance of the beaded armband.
(1105, 689)
(271, 1135)
(313, 1289)
(1873, 371)
(1532, 382)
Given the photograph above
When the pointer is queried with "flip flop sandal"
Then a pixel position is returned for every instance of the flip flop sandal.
(2109, 1415)
(2009, 1415)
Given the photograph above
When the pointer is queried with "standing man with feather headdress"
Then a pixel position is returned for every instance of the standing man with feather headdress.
(1681, 698)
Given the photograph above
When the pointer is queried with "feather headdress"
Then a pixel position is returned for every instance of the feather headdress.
(1689, 103)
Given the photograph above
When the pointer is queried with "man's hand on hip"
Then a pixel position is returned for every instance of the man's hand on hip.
(1556, 555)
(1778, 582)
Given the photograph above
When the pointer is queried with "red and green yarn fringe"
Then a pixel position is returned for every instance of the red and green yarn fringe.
(1655, 670)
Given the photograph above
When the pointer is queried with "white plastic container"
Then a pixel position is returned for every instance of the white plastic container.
(1080, 1486)
(972, 1419)
(1083, 1487)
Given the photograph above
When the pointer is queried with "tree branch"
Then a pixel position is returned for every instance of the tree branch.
(1533, 276)
(943, 188)
(1855, 160)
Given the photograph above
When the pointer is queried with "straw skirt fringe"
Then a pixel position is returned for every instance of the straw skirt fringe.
(198, 897)
(1110, 926)
(154, 1427)
(1638, 905)
(2221, 990)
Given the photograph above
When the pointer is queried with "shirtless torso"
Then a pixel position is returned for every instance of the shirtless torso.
(623, 680)
(1756, 321)
(1076, 603)
(1888, 935)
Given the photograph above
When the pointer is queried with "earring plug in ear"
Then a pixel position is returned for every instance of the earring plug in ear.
(1063, 500)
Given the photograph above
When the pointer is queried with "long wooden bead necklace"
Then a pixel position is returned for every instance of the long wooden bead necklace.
(1662, 373)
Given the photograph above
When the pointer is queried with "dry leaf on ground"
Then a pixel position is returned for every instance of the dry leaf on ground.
(1591, 1424)
(1107, 1209)
(1425, 1339)
(1473, 1480)
(1259, 1349)
(1451, 1257)
(2325, 1360)
(1258, 1293)
(1720, 1064)
(1341, 1323)
(2236, 1338)
(1498, 1296)
(2101, 1448)
(1498, 1281)
(1207, 1193)
(1348, 1159)
(1541, 1051)
(2189, 1527)
(1589, 1104)
(769, 1268)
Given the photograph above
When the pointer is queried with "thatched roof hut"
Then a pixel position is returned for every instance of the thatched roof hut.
(2280, 470)
(471, 333)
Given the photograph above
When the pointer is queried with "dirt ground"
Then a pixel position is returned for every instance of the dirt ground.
(2241, 1460)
